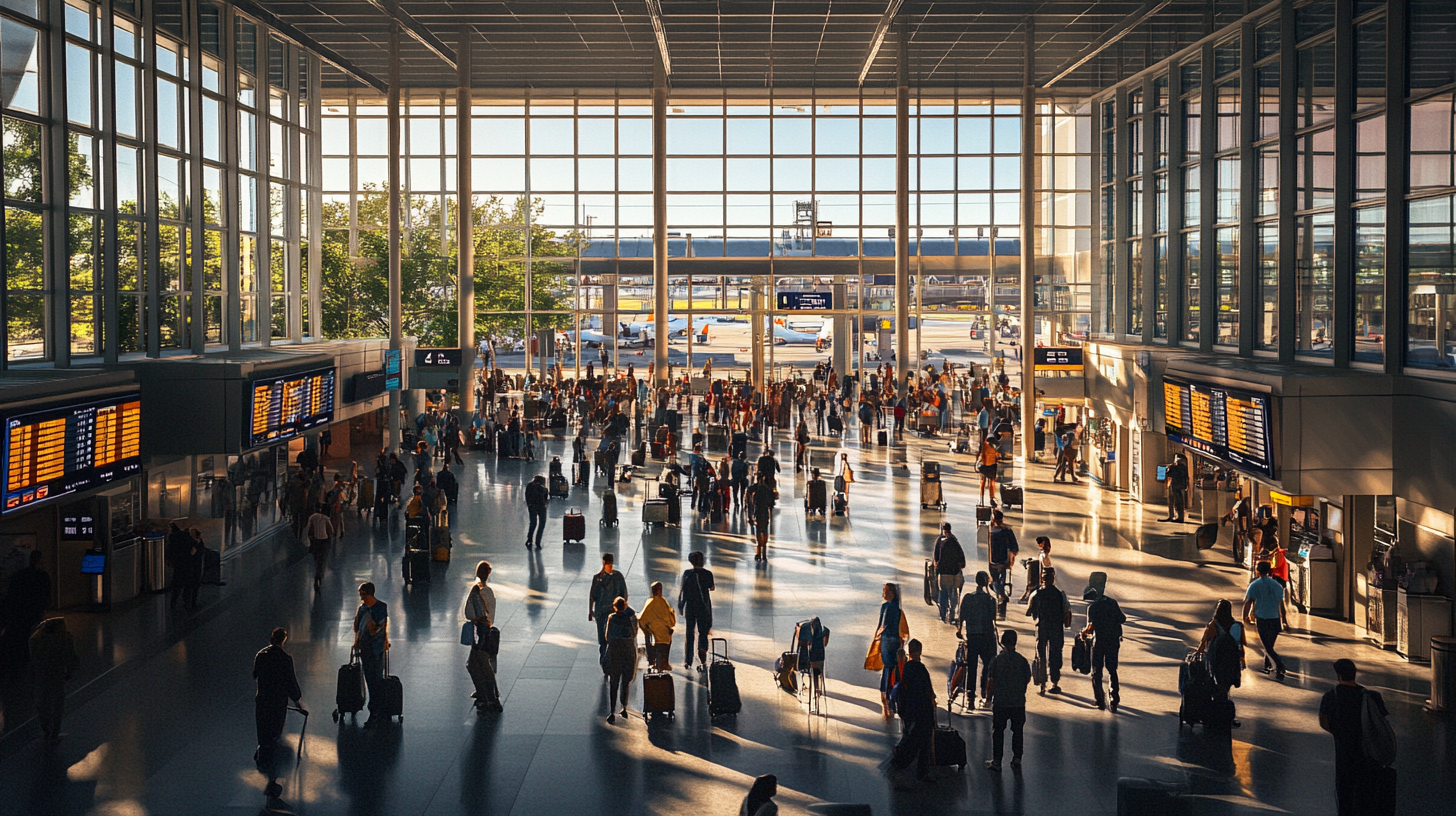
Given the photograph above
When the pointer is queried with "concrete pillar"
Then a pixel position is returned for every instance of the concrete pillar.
(659, 221)
(903, 363)
(843, 336)
(464, 227)
(756, 332)
(1028, 245)
(394, 181)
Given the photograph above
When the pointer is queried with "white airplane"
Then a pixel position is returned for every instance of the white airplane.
(786, 336)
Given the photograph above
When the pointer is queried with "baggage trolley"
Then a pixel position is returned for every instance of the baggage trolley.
(931, 493)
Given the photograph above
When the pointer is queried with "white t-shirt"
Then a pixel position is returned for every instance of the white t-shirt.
(481, 603)
(319, 527)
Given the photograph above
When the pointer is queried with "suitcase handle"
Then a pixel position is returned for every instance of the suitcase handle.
(713, 645)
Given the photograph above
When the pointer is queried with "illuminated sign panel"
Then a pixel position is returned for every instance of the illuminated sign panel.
(1226, 423)
(284, 407)
(59, 451)
(1058, 359)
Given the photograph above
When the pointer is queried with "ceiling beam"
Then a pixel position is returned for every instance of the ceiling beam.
(1112, 35)
(654, 11)
(415, 29)
(881, 31)
(291, 32)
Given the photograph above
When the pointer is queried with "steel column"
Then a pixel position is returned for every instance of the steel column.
(903, 363)
(1208, 205)
(263, 263)
(1028, 243)
(1397, 168)
(57, 193)
(315, 201)
(465, 225)
(1177, 134)
(1149, 225)
(110, 283)
(1288, 183)
(150, 261)
(196, 232)
(659, 222)
(1342, 330)
(1248, 283)
(232, 239)
(1121, 215)
(393, 176)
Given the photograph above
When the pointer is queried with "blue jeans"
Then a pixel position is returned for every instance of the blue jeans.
(945, 594)
(700, 624)
(373, 675)
(538, 525)
(889, 652)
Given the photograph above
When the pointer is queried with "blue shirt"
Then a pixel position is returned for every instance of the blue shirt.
(1267, 594)
(380, 613)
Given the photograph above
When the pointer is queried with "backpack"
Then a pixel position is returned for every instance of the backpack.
(1376, 735)
(1049, 606)
(1223, 657)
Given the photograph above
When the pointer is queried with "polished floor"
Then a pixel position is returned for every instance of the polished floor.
(160, 722)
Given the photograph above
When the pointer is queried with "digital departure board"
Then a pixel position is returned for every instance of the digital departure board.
(284, 407)
(1227, 423)
(58, 451)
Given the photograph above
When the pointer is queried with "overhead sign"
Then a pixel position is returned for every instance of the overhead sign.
(284, 407)
(1057, 359)
(392, 380)
(1226, 423)
(1289, 500)
(439, 358)
(78, 527)
(59, 451)
(805, 301)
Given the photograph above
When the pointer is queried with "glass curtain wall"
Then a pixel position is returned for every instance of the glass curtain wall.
(564, 196)
(147, 231)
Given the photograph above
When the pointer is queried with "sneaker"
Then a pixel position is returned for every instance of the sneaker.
(611, 718)
(1101, 706)
(993, 765)
(1056, 689)
(1016, 763)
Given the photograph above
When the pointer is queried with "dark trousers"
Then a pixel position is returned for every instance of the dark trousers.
(618, 684)
(269, 720)
(1356, 793)
(1105, 656)
(914, 746)
(1000, 717)
(1269, 633)
(373, 676)
(601, 620)
(538, 525)
(980, 648)
(1177, 500)
(1049, 646)
(700, 624)
(50, 705)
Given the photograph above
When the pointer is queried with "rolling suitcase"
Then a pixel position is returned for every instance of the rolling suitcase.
(416, 568)
(947, 747)
(349, 698)
(366, 494)
(391, 698)
(659, 695)
(836, 425)
(558, 487)
(581, 473)
(639, 456)
(785, 671)
(722, 683)
(930, 582)
(655, 511)
(1081, 656)
(883, 437)
(1195, 690)
(609, 509)
(841, 504)
(1011, 495)
(674, 511)
(930, 495)
(818, 500)
(983, 514)
(573, 526)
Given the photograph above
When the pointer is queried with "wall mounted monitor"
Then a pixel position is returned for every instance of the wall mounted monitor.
(1230, 424)
(280, 408)
(54, 452)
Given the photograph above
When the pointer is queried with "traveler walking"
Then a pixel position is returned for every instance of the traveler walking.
(275, 683)
(694, 602)
(1104, 625)
(1176, 478)
(1222, 646)
(759, 801)
(320, 537)
(481, 663)
(801, 446)
(843, 476)
(1006, 682)
(537, 497)
(53, 658)
(657, 621)
(1264, 607)
(976, 623)
(371, 641)
(914, 699)
(764, 496)
(1034, 566)
(739, 471)
(194, 558)
(1002, 554)
(813, 638)
(621, 632)
(27, 594)
(178, 553)
(892, 630)
(1354, 716)
(606, 587)
(1053, 613)
(950, 560)
(987, 459)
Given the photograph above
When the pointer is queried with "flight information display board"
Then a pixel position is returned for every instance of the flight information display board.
(1227, 423)
(284, 407)
(58, 451)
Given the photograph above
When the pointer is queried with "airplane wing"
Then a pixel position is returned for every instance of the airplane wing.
(790, 337)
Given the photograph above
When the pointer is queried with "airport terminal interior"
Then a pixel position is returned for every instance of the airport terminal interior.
(844, 302)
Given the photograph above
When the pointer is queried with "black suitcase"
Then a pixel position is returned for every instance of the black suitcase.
(212, 567)
(715, 506)
(391, 698)
(836, 425)
(558, 487)
(1013, 496)
(416, 567)
(841, 504)
(1195, 690)
(674, 512)
(655, 511)
(573, 526)
(883, 438)
(639, 457)
(1081, 655)
(609, 509)
(581, 473)
(349, 698)
(722, 683)
(983, 514)
(947, 747)
(930, 582)
(818, 500)
(659, 695)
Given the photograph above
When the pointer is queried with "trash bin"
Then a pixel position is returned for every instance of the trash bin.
(154, 562)
(1443, 674)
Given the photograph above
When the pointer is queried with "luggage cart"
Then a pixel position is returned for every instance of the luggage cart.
(931, 493)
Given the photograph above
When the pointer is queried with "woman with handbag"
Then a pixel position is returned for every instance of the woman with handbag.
(622, 629)
(479, 633)
(885, 648)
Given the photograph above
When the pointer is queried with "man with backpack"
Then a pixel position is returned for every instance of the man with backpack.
(1177, 481)
(1002, 552)
(1364, 745)
(950, 559)
(1053, 613)
(1104, 625)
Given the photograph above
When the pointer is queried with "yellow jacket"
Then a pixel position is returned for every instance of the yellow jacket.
(657, 619)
